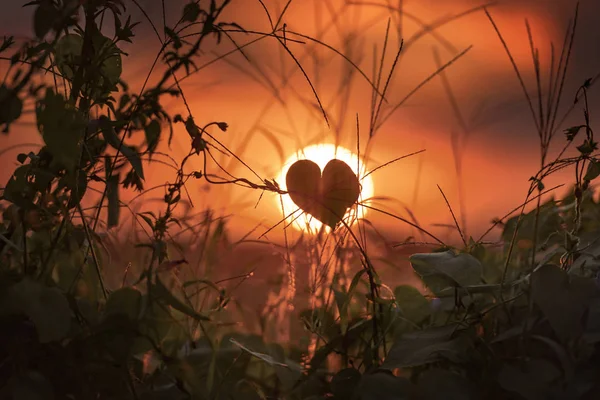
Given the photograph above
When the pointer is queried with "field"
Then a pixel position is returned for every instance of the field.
(321, 199)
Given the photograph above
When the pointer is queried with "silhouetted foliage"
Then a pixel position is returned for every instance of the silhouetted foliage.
(519, 322)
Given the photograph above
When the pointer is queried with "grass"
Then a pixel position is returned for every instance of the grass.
(104, 297)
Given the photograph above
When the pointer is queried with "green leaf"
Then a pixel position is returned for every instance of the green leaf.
(428, 346)
(440, 271)
(549, 221)
(157, 322)
(112, 194)
(47, 308)
(414, 306)
(62, 127)
(161, 292)
(111, 65)
(67, 54)
(125, 301)
(562, 298)
(343, 305)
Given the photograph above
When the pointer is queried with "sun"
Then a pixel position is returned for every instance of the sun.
(321, 154)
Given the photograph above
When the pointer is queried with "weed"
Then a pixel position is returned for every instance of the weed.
(84, 315)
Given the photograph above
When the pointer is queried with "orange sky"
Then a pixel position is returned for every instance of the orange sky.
(502, 151)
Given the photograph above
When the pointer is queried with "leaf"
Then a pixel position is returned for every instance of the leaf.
(152, 131)
(32, 386)
(77, 184)
(147, 220)
(343, 306)
(109, 134)
(207, 284)
(354, 333)
(47, 308)
(174, 37)
(161, 292)
(382, 385)
(440, 271)
(67, 54)
(427, 346)
(531, 381)
(156, 323)
(112, 194)
(548, 222)
(191, 127)
(18, 190)
(111, 63)
(11, 107)
(125, 301)
(562, 298)
(326, 197)
(62, 127)
(265, 357)
(344, 383)
(191, 12)
(573, 131)
(441, 384)
(414, 306)
(125, 33)
(593, 171)
(561, 354)
(7, 42)
(44, 17)
(539, 184)
(588, 147)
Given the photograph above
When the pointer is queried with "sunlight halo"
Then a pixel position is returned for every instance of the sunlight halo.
(321, 154)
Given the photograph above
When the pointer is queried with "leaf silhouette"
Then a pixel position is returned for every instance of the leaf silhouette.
(326, 197)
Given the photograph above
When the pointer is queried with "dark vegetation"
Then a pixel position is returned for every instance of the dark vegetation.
(515, 321)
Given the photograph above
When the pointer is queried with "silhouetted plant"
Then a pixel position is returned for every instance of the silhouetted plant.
(518, 322)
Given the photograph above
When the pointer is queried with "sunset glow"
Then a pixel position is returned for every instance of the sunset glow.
(321, 154)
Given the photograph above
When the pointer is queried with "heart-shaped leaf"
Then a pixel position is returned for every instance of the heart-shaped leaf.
(326, 197)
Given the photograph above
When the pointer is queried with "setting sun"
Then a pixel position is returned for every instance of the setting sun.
(321, 154)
